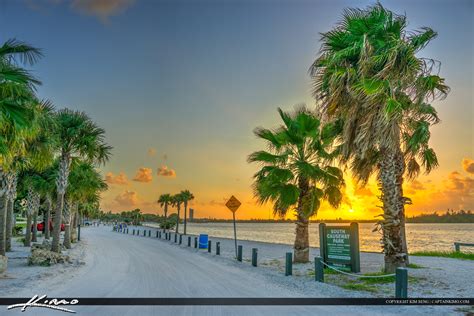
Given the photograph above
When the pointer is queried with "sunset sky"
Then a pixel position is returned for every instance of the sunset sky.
(180, 85)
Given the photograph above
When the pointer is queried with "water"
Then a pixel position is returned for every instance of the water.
(420, 237)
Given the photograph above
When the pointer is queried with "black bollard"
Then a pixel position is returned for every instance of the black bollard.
(157, 233)
(401, 283)
(239, 253)
(218, 248)
(195, 242)
(127, 230)
(149, 233)
(254, 256)
(133, 232)
(189, 241)
(180, 239)
(144, 233)
(209, 246)
(175, 238)
(318, 269)
(289, 264)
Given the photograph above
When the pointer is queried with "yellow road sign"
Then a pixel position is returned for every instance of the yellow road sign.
(233, 204)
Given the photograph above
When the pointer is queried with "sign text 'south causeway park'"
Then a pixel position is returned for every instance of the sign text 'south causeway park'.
(340, 246)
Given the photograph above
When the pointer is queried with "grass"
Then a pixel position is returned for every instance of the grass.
(415, 266)
(445, 254)
(359, 287)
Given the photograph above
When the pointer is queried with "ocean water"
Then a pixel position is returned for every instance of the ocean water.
(419, 236)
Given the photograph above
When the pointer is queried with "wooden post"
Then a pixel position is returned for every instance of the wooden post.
(254, 256)
(189, 241)
(289, 264)
(318, 269)
(180, 239)
(239, 253)
(195, 242)
(355, 253)
(457, 247)
(401, 283)
(218, 248)
(209, 246)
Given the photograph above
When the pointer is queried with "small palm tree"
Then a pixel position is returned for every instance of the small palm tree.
(369, 77)
(186, 197)
(296, 174)
(78, 136)
(165, 200)
(85, 183)
(177, 200)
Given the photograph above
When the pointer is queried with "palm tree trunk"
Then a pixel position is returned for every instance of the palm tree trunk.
(74, 226)
(3, 211)
(47, 216)
(67, 224)
(35, 227)
(391, 168)
(61, 185)
(301, 246)
(27, 242)
(3, 223)
(9, 226)
(11, 182)
(185, 214)
(177, 221)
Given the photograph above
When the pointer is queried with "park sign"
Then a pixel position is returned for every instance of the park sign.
(339, 246)
(233, 204)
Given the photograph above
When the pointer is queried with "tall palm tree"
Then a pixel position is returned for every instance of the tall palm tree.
(177, 200)
(80, 137)
(186, 196)
(296, 173)
(31, 149)
(165, 200)
(16, 90)
(369, 76)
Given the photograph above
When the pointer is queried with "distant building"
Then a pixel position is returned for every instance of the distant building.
(191, 214)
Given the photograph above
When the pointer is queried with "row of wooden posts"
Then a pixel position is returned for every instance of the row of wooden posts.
(401, 275)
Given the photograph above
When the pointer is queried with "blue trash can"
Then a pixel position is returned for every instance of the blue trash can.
(203, 241)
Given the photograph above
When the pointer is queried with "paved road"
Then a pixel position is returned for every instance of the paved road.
(128, 266)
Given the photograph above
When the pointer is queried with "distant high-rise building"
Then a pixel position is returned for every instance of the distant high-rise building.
(191, 214)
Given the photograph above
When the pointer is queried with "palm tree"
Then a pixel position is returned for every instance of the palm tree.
(164, 200)
(186, 197)
(177, 200)
(369, 77)
(80, 137)
(16, 90)
(30, 149)
(85, 183)
(296, 173)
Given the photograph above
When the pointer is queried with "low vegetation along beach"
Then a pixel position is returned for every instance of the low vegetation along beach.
(351, 203)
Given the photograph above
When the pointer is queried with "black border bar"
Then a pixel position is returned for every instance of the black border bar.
(243, 301)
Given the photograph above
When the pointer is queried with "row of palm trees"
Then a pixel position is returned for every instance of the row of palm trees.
(373, 118)
(176, 200)
(48, 157)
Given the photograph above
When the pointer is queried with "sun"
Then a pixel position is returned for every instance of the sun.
(351, 210)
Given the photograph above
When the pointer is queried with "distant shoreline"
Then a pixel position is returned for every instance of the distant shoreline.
(408, 220)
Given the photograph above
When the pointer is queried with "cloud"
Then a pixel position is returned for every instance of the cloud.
(468, 165)
(144, 175)
(127, 198)
(151, 152)
(164, 171)
(120, 179)
(102, 9)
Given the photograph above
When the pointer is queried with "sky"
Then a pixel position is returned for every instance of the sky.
(179, 87)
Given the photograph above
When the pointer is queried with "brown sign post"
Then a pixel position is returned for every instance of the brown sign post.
(233, 204)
